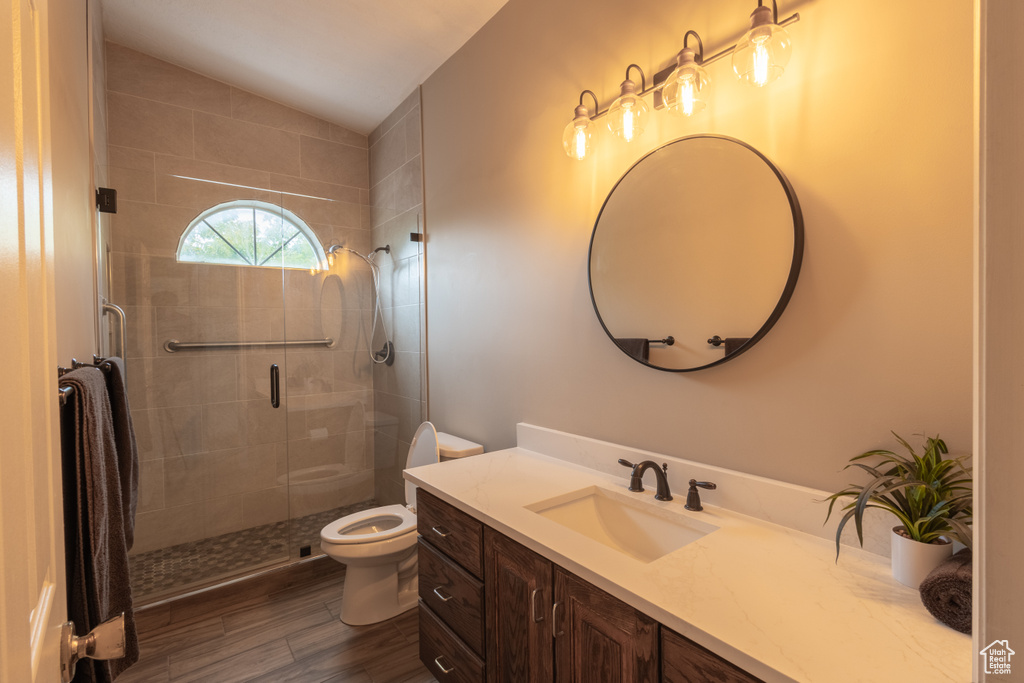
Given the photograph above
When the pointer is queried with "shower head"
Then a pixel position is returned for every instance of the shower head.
(335, 248)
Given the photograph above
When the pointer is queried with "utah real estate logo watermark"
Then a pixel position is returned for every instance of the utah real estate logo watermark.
(997, 657)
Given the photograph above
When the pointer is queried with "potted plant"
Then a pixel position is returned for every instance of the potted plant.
(929, 495)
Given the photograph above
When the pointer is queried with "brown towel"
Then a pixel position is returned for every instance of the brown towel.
(638, 348)
(97, 551)
(127, 451)
(732, 344)
(946, 592)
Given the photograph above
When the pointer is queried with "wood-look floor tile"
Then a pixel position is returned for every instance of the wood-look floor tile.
(409, 624)
(323, 664)
(240, 641)
(335, 607)
(173, 638)
(397, 668)
(340, 637)
(291, 633)
(149, 669)
(244, 666)
(354, 676)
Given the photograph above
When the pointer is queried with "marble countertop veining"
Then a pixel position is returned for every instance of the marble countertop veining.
(770, 599)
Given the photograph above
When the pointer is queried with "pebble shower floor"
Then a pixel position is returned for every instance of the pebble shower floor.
(161, 573)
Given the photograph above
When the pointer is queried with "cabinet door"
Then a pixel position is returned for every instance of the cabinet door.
(599, 637)
(683, 661)
(518, 605)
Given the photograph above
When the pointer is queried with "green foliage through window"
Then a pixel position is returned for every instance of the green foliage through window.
(251, 233)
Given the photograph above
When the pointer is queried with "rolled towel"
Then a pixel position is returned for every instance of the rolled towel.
(946, 592)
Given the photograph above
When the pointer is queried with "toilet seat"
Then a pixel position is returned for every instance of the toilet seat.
(370, 526)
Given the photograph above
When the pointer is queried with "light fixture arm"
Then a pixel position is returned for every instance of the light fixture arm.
(596, 105)
(700, 45)
(775, 10)
(643, 78)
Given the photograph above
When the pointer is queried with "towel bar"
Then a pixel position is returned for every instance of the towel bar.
(172, 345)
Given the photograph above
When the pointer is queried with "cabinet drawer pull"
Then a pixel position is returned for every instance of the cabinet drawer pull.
(438, 593)
(444, 669)
(554, 620)
(441, 531)
(533, 606)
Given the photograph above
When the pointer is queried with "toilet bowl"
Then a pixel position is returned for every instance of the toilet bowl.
(378, 546)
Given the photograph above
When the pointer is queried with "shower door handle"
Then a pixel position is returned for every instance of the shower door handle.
(275, 386)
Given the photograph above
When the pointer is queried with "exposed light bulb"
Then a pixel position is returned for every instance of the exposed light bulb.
(576, 138)
(763, 53)
(685, 89)
(627, 117)
(761, 62)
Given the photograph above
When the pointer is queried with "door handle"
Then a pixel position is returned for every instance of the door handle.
(106, 641)
(533, 606)
(275, 386)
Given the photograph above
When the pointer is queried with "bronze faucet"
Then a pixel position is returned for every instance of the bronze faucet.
(636, 477)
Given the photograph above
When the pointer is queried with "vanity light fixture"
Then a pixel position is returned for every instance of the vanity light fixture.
(577, 135)
(759, 58)
(763, 53)
(684, 91)
(627, 116)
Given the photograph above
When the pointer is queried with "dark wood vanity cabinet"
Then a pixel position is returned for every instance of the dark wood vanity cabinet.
(600, 638)
(451, 593)
(683, 661)
(492, 610)
(518, 588)
(545, 624)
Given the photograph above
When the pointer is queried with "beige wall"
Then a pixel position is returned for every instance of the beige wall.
(873, 132)
(214, 452)
(397, 199)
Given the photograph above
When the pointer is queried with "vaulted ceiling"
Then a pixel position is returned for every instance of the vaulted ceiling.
(347, 61)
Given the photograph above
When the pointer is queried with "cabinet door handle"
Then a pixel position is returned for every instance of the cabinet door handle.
(444, 669)
(441, 531)
(554, 620)
(275, 386)
(533, 606)
(438, 593)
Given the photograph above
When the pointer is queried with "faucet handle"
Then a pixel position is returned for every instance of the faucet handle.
(693, 496)
(625, 463)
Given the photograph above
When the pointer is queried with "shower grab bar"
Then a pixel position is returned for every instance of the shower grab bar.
(172, 345)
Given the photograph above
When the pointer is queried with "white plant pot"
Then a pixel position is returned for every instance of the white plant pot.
(913, 561)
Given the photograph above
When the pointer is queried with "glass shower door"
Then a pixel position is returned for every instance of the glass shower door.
(329, 386)
(205, 309)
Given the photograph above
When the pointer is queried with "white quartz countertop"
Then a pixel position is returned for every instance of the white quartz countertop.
(769, 599)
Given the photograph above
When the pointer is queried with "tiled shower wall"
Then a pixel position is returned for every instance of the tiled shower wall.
(396, 195)
(215, 455)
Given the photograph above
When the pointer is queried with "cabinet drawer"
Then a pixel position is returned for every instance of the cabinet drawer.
(683, 661)
(451, 531)
(441, 651)
(454, 595)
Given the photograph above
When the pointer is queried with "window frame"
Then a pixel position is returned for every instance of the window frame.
(301, 227)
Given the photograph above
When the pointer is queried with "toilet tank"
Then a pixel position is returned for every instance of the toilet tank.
(451, 447)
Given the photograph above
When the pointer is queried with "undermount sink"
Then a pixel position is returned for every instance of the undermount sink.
(635, 527)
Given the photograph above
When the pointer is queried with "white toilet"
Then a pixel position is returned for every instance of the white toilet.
(378, 546)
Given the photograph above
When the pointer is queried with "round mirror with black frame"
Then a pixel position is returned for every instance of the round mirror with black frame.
(695, 253)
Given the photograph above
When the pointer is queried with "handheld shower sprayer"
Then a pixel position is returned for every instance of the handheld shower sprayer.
(386, 355)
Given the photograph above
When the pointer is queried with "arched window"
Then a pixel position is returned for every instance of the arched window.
(247, 232)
